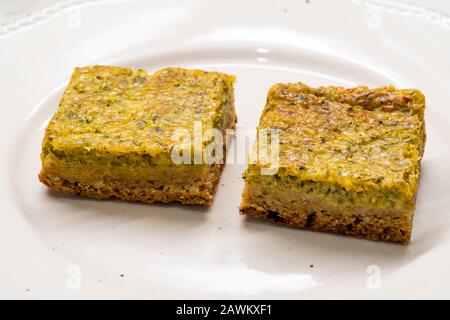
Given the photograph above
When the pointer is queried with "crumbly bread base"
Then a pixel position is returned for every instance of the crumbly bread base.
(192, 194)
(300, 210)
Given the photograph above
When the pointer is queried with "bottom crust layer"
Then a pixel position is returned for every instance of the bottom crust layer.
(371, 227)
(198, 194)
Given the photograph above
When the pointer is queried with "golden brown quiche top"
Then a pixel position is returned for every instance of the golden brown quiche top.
(360, 138)
(121, 110)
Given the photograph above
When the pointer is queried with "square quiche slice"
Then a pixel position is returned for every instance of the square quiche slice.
(349, 160)
(112, 134)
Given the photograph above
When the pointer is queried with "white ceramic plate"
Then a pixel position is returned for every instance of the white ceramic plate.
(57, 246)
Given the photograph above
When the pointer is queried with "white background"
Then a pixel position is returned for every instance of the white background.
(11, 10)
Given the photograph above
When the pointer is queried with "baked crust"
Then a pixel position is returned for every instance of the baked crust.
(301, 209)
(366, 227)
(193, 194)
